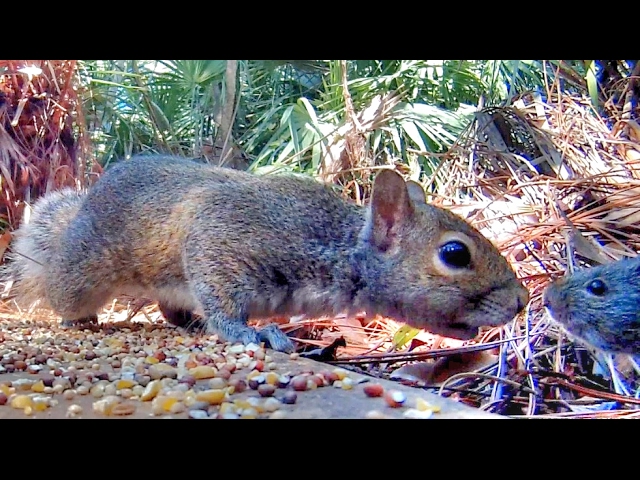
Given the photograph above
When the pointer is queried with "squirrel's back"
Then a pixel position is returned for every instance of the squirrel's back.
(149, 207)
(144, 190)
(129, 234)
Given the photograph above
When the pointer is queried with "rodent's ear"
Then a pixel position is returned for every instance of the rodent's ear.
(416, 192)
(390, 207)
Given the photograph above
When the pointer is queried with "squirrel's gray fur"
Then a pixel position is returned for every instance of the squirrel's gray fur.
(600, 305)
(234, 245)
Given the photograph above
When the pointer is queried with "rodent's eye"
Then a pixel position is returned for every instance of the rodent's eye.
(597, 288)
(455, 254)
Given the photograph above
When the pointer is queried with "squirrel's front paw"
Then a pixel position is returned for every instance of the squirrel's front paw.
(80, 322)
(276, 338)
(236, 331)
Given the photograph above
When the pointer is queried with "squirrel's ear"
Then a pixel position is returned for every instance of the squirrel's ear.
(391, 205)
(416, 192)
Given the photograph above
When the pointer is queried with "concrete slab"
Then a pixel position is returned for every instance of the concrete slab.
(327, 402)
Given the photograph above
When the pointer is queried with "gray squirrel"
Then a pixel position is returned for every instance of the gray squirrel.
(600, 305)
(233, 245)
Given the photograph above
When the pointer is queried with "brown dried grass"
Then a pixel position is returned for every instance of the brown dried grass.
(43, 139)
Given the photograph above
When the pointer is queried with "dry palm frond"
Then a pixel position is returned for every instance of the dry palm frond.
(345, 159)
(43, 142)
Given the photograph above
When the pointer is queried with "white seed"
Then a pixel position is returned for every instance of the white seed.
(126, 393)
(271, 404)
(74, 410)
(69, 394)
(419, 414)
(198, 414)
(82, 390)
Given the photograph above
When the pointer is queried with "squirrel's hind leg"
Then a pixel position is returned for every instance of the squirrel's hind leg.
(182, 318)
(77, 303)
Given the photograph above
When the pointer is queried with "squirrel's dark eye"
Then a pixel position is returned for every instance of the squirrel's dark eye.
(597, 288)
(455, 254)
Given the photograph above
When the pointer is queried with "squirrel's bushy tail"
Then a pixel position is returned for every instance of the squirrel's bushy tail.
(35, 242)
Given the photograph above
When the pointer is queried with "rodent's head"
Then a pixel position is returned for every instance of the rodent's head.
(446, 276)
(600, 305)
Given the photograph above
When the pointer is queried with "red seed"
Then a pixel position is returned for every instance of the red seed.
(20, 365)
(47, 379)
(330, 377)
(40, 359)
(317, 379)
(299, 383)
(238, 385)
(373, 390)
(266, 390)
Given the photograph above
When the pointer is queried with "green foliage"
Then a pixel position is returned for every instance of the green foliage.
(149, 106)
(592, 83)
(289, 112)
(403, 336)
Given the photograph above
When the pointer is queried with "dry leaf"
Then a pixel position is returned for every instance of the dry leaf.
(434, 373)
(5, 240)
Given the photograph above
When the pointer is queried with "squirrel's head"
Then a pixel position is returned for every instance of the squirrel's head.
(448, 278)
(600, 305)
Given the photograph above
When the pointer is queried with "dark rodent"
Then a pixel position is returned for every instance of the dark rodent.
(231, 245)
(600, 305)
